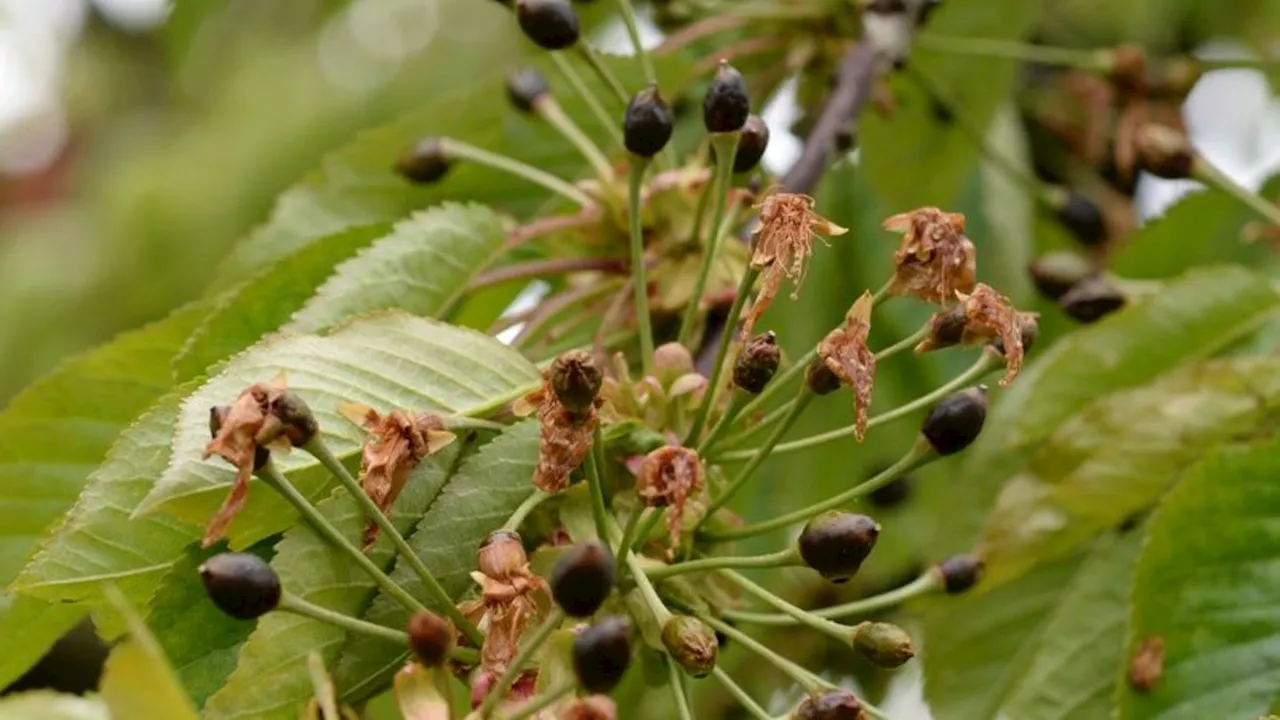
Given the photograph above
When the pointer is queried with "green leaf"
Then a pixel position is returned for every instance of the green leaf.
(423, 267)
(1206, 584)
(917, 156)
(271, 678)
(1193, 317)
(137, 681)
(390, 360)
(242, 315)
(49, 705)
(478, 499)
(1073, 671)
(1119, 455)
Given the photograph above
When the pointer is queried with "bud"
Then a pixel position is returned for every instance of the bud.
(552, 24)
(426, 163)
(1055, 273)
(1092, 299)
(289, 416)
(830, 705)
(820, 379)
(648, 123)
(691, 643)
(836, 543)
(885, 645)
(242, 585)
(525, 87)
(602, 653)
(726, 104)
(583, 579)
(672, 361)
(594, 707)
(576, 380)
(893, 494)
(431, 638)
(961, 572)
(1165, 152)
(757, 363)
(1083, 218)
(751, 145)
(501, 555)
(217, 415)
(954, 423)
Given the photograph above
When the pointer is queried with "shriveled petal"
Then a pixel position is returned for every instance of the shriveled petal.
(845, 352)
(990, 315)
(935, 259)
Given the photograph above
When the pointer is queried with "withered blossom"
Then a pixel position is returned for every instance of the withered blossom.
(396, 443)
(845, 353)
(781, 245)
(935, 259)
(235, 431)
(565, 440)
(981, 317)
(669, 476)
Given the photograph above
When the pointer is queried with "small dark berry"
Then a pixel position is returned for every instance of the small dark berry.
(648, 123)
(831, 705)
(1165, 152)
(582, 579)
(525, 86)
(290, 417)
(1092, 299)
(752, 144)
(946, 328)
(1083, 218)
(954, 423)
(960, 573)
(217, 414)
(836, 543)
(242, 585)
(431, 637)
(602, 653)
(844, 140)
(576, 380)
(552, 24)
(1056, 273)
(820, 379)
(692, 643)
(426, 163)
(727, 104)
(893, 494)
(757, 363)
(884, 644)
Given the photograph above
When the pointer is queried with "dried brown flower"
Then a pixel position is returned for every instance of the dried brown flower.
(781, 246)
(566, 436)
(935, 259)
(234, 440)
(988, 315)
(669, 476)
(396, 443)
(845, 353)
(1147, 665)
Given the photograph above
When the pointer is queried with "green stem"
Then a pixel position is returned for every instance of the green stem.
(737, 400)
(549, 110)
(633, 31)
(1206, 172)
(840, 633)
(1093, 60)
(635, 221)
(603, 72)
(295, 605)
(595, 484)
(920, 454)
(906, 343)
(592, 102)
(985, 364)
(740, 695)
(927, 583)
(535, 498)
(647, 591)
(762, 453)
(479, 156)
(272, 476)
(802, 677)
(782, 558)
(527, 651)
(435, 590)
(725, 146)
(629, 533)
(775, 386)
(543, 701)
(722, 353)
(676, 681)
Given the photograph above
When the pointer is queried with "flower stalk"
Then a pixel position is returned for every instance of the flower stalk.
(928, 583)
(640, 283)
(782, 558)
(588, 97)
(722, 353)
(527, 651)
(466, 151)
(725, 147)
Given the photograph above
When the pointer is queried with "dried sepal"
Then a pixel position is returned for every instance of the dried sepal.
(845, 353)
(988, 316)
(936, 258)
(234, 440)
(781, 245)
(395, 444)
(668, 477)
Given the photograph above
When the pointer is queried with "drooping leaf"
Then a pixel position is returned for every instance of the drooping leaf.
(137, 681)
(250, 310)
(422, 267)
(1117, 456)
(1205, 585)
(1193, 317)
(479, 498)
(271, 679)
(49, 705)
(385, 361)
(1073, 671)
